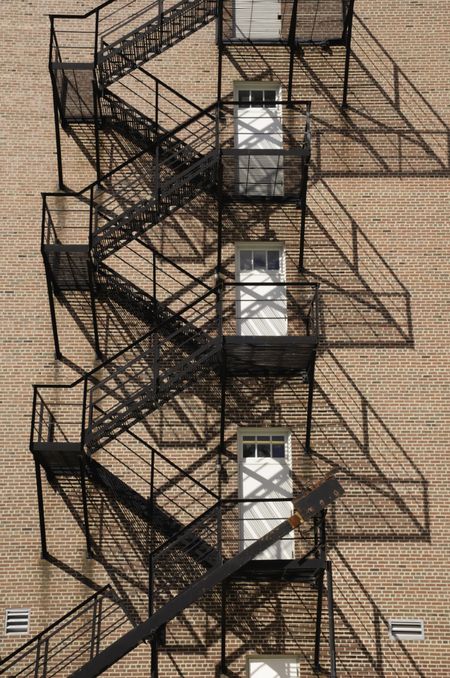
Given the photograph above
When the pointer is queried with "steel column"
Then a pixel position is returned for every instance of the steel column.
(44, 551)
(85, 508)
(317, 666)
(304, 190)
(223, 628)
(292, 33)
(348, 41)
(331, 633)
(94, 310)
(311, 370)
(51, 300)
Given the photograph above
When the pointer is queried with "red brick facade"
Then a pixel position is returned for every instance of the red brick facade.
(376, 241)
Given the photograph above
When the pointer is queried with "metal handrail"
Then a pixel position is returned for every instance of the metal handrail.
(55, 623)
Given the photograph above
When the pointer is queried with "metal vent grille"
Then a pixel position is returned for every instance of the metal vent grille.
(406, 629)
(17, 621)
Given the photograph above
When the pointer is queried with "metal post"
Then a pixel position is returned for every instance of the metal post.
(304, 188)
(55, 106)
(51, 300)
(94, 310)
(348, 41)
(97, 18)
(154, 659)
(317, 666)
(219, 213)
(57, 137)
(223, 392)
(223, 629)
(96, 131)
(310, 403)
(44, 551)
(331, 632)
(85, 507)
(292, 33)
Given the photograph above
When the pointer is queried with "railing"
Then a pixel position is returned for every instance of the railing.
(111, 212)
(271, 309)
(148, 283)
(153, 36)
(314, 21)
(221, 533)
(71, 641)
(138, 379)
(266, 154)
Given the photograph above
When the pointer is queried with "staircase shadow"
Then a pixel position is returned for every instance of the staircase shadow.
(363, 302)
(386, 493)
(361, 610)
(389, 130)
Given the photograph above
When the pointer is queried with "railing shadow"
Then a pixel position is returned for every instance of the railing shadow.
(387, 494)
(362, 624)
(363, 301)
(390, 129)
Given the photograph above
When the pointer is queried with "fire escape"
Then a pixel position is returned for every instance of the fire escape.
(94, 240)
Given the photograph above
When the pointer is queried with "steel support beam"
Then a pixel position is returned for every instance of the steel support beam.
(40, 495)
(348, 43)
(87, 531)
(94, 310)
(305, 508)
(311, 370)
(292, 46)
(304, 191)
(223, 629)
(331, 632)
(51, 301)
(317, 666)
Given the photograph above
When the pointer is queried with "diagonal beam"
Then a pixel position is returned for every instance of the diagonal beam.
(306, 507)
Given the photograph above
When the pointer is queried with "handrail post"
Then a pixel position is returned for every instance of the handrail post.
(311, 369)
(37, 467)
(348, 41)
(303, 194)
(331, 629)
(156, 109)
(96, 130)
(97, 18)
(85, 506)
(292, 33)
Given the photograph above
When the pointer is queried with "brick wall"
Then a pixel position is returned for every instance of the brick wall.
(376, 241)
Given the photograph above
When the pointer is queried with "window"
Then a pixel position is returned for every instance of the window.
(263, 260)
(406, 629)
(17, 621)
(257, 98)
(260, 446)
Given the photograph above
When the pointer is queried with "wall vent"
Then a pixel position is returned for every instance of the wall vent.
(17, 621)
(406, 629)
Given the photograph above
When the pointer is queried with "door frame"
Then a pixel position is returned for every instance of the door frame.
(254, 245)
(255, 430)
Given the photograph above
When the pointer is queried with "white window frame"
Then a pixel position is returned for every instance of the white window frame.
(265, 430)
(263, 245)
(293, 658)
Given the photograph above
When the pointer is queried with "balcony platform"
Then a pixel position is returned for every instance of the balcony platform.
(281, 570)
(268, 356)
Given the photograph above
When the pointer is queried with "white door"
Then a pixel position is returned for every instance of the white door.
(266, 476)
(258, 126)
(273, 667)
(256, 19)
(261, 309)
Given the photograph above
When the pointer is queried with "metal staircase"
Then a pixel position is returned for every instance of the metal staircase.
(153, 37)
(79, 430)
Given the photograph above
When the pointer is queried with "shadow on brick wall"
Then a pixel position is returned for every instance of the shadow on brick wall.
(387, 497)
(363, 301)
(390, 129)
